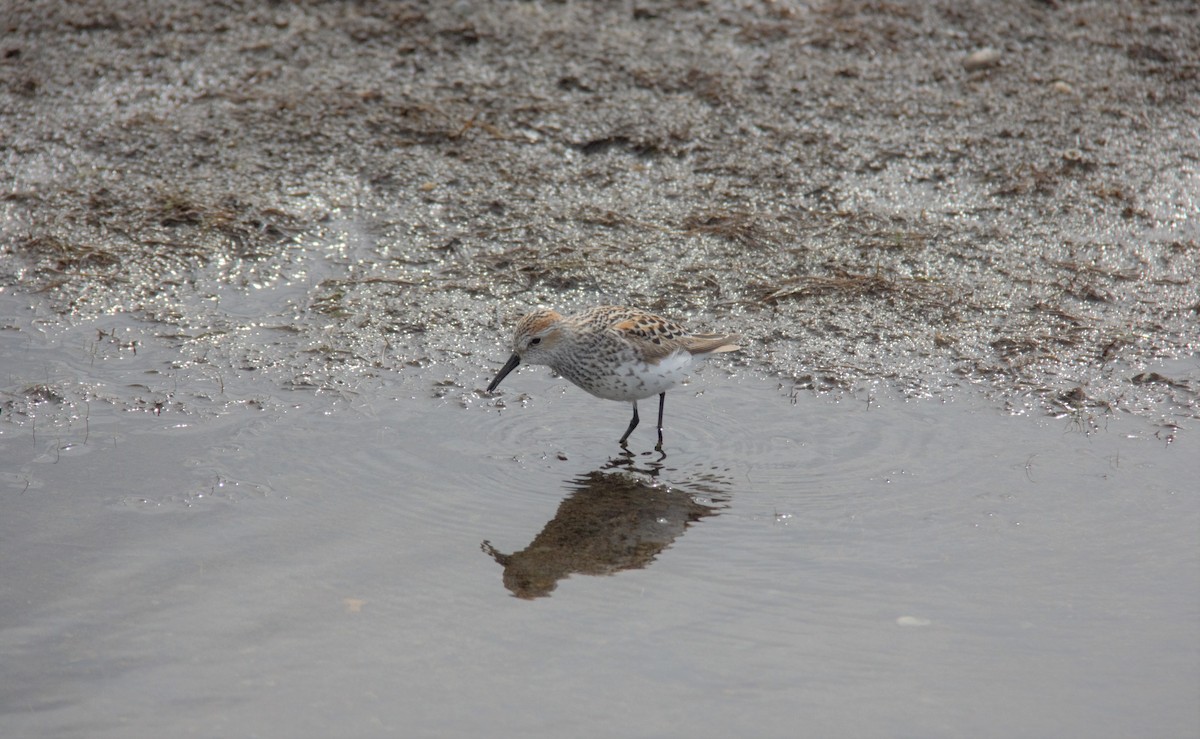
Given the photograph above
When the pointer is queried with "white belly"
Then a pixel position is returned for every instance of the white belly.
(636, 380)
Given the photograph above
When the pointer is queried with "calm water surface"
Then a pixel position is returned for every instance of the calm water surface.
(387, 563)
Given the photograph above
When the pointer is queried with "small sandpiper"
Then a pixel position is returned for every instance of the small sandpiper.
(613, 352)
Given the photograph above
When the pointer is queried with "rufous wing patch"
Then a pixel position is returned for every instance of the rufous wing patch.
(653, 345)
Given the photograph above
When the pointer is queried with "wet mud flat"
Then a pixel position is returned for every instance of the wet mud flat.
(258, 261)
(939, 194)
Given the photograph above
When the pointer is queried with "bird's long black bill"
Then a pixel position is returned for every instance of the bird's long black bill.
(513, 362)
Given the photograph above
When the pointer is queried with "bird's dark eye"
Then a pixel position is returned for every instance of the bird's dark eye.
(535, 340)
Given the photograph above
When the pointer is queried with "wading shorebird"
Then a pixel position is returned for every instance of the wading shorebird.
(613, 352)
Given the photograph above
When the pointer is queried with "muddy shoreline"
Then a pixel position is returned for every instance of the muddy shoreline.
(928, 196)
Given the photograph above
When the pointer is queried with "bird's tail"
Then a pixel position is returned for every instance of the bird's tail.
(712, 343)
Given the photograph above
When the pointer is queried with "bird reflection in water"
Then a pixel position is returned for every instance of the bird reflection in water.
(615, 518)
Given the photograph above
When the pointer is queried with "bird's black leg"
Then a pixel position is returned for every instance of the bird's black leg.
(662, 399)
(632, 425)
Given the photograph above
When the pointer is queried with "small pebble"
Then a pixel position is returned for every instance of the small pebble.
(982, 59)
(1062, 87)
(913, 621)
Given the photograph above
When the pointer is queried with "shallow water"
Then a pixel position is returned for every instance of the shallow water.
(383, 562)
